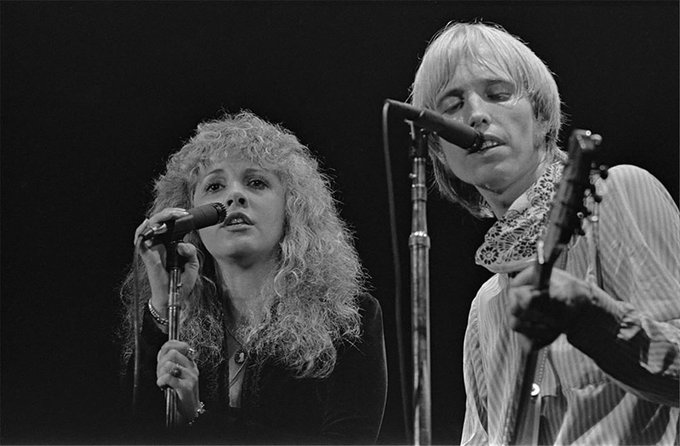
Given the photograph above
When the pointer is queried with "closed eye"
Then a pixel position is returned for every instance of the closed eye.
(453, 108)
(500, 97)
(500, 91)
(450, 105)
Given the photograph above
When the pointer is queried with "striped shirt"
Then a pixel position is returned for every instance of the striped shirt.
(615, 377)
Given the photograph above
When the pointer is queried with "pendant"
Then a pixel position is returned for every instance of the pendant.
(240, 356)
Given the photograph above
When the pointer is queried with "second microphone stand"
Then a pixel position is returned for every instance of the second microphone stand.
(419, 245)
(174, 268)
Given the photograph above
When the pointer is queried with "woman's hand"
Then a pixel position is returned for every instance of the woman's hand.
(544, 316)
(154, 260)
(176, 369)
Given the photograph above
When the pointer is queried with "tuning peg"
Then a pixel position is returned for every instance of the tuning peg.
(603, 172)
(592, 192)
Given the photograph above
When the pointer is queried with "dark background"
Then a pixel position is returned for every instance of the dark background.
(96, 95)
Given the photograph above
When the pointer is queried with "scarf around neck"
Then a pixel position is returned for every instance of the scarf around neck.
(510, 244)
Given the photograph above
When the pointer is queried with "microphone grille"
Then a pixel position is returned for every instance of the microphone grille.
(221, 211)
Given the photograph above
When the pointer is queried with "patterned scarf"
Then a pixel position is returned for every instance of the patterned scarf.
(510, 244)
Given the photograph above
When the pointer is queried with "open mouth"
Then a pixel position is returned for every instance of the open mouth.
(237, 218)
(489, 143)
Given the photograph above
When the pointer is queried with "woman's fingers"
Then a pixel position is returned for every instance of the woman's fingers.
(166, 214)
(188, 251)
(183, 380)
(178, 352)
(157, 219)
(140, 230)
(154, 258)
(177, 370)
(176, 365)
(191, 265)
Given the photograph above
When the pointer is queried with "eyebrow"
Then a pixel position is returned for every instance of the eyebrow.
(214, 171)
(256, 170)
(247, 171)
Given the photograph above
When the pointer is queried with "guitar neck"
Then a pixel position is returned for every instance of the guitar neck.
(564, 220)
(544, 268)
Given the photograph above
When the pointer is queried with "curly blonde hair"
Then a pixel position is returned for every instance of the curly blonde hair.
(314, 289)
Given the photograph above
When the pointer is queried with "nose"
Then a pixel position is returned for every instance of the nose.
(478, 117)
(236, 198)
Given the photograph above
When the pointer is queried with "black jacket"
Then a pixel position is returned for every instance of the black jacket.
(344, 408)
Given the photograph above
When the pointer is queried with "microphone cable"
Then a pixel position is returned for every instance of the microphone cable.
(406, 394)
(136, 322)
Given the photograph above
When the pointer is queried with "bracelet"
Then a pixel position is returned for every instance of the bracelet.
(160, 320)
(200, 411)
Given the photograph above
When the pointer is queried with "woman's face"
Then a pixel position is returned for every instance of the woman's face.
(255, 201)
(481, 98)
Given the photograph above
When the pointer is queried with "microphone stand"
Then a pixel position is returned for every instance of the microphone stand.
(419, 245)
(174, 268)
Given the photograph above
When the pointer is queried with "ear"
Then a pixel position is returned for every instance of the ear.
(541, 138)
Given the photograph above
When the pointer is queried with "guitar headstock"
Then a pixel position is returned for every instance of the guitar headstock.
(568, 207)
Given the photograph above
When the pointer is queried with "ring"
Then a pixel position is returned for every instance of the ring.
(176, 372)
(191, 353)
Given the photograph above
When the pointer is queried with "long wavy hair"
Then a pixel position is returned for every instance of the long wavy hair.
(312, 302)
(492, 47)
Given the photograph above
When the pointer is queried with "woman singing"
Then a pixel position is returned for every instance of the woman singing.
(279, 341)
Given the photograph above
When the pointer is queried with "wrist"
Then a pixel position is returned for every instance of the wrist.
(599, 318)
(160, 303)
(158, 316)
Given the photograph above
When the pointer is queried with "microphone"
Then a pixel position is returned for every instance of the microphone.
(461, 135)
(199, 217)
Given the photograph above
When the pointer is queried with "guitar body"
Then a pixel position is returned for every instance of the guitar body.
(564, 220)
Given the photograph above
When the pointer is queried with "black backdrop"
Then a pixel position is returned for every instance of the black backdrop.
(95, 96)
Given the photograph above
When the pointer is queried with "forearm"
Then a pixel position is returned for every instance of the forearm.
(642, 354)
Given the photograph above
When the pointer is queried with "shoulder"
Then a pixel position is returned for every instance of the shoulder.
(486, 309)
(633, 190)
(367, 349)
(627, 173)
(368, 304)
(631, 181)
(370, 314)
(488, 291)
(624, 171)
(365, 323)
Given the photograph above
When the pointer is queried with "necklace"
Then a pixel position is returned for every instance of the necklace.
(240, 355)
(235, 378)
(236, 363)
(239, 361)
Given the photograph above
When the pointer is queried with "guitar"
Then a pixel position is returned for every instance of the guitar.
(564, 221)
